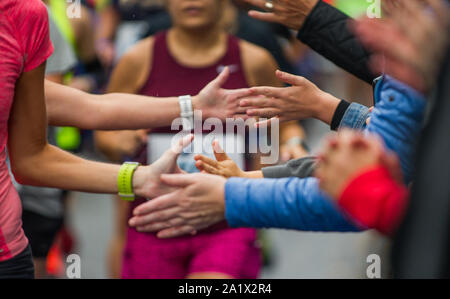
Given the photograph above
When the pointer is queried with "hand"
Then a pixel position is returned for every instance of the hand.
(105, 51)
(198, 203)
(146, 179)
(129, 142)
(290, 152)
(410, 43)
(300, 101)
(214, 101)
(290, 13)
(224, 166)
(348, 155)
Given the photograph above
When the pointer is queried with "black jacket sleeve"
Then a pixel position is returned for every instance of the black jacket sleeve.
(326, 31)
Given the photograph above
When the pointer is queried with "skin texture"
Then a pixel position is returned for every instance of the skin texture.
(348, 155)
(421, 35)
(290, 13)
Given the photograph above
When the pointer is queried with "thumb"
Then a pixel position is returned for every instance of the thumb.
(178, 147)
(289, 78)
(178, 180)
(218, 151)
(221, 78)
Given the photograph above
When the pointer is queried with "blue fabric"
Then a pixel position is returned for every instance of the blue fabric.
(355, 117)
(298, 203)
(289, 203)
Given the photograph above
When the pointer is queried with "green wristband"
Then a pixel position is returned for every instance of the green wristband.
(125, 180)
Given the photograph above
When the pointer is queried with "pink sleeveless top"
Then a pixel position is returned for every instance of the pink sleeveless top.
(24, 45)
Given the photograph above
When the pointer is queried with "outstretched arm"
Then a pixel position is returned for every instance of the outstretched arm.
(70, 107)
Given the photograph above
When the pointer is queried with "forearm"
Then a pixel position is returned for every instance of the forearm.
(70, 107)
(285, 203)
(128, 112)
(53, 167)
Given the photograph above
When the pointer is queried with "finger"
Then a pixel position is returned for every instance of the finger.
(241, 111)
(266, 122)
(236, 94)
(289, 78)
(207, 168)
(178, 147)
(218, 151)
(264, 112)
(241, 116)
(258, 102)
(274, 92)
(399, 71)
(176, 232)
(206, 160)
(162, 202)
(221, 78)
(257, 3)
(264, 16)
(178, 180)
(157, 216)
(155, 227)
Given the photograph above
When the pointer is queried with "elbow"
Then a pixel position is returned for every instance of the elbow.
(25, 170)
(21, 173)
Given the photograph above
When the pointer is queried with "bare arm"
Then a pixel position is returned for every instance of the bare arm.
(33, 160)
(71, 107)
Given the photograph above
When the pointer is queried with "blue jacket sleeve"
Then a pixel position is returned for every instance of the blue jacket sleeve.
(398, 119)
(289, 203)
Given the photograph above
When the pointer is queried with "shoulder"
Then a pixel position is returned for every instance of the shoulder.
(259, 64)
(131, 71)
(137, 53)
(254, 55)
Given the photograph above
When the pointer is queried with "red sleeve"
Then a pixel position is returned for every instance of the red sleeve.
(31, 22)
(375, 200)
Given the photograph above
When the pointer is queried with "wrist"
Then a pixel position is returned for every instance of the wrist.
(257, 174)
(138, 181)
(326, 106)
(196, 105)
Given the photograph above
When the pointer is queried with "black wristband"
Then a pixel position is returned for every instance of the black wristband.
(339, 114)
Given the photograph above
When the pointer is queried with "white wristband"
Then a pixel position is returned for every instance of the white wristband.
(187, 113)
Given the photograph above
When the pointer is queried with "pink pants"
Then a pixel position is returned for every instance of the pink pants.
(227, 251)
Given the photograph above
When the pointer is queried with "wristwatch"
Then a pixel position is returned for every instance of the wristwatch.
(187, 114)
(125, 180)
